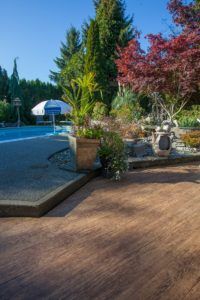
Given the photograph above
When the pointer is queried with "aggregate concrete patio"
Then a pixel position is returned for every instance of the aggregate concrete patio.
(25, 172)
(137, 239)
(30, 185)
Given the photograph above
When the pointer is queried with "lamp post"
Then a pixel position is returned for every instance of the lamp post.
(17, 103)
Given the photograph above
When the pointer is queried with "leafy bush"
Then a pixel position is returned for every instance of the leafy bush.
(126, 106)
(89, 133)
(5, 111)
(188, 118)
(188, 122)
(112, 154)
(80, 95)
(131, 131)
(192, 139)
(100, 110)
(124, 113)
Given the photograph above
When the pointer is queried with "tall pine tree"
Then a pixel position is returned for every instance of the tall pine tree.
(115, 29)
(14, 89)
(71, 46)
(93, 57)
(4, 84)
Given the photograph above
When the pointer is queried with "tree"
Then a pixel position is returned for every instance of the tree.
(4, 84)
(170, 71)
(114, 29)
(73, 69)
(93, 57)
(71, 46)
(187, 16)
(14, 88)
(6, 112)
(84, 29)
(33, 92)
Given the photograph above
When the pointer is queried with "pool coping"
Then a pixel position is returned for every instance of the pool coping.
(17, 208)
(26, 138)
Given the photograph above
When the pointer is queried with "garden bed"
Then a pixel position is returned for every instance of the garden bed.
(63, 160)
(152, 161)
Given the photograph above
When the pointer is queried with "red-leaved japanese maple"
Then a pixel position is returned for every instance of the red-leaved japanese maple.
(187, 16)
(169, 71)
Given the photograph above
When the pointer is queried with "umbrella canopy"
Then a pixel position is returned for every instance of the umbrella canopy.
(51, 107)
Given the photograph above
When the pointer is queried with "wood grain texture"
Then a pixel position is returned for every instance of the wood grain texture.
(137, 239)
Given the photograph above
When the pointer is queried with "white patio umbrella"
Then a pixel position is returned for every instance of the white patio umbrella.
(51, 107)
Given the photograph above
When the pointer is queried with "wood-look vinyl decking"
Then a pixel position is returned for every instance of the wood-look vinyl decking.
(137, 239)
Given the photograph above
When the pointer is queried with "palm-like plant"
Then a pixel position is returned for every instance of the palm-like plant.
(125, 97)
(126, 105)
(80, 96)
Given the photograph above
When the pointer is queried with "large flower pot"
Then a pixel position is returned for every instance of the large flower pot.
(83, 152)
(162, 144)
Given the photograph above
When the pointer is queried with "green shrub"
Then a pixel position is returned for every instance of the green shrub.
(89, 133)
(100, 110)
(188, 118)
(5, 111)
(186, 121)
(112, 154)
(192, 139)
(125, 114)
(126, 106)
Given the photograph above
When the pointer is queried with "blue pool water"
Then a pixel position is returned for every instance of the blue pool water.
(28, 132)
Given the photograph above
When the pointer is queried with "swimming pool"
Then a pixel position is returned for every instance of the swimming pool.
(29, 132)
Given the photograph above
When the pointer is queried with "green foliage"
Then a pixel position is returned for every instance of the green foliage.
(112, 154)
(73, 69)
(93, 58)
(71, 46)
(100, 110)
(80, 95)
(126, 106)
(14, 88)
(96, 52)
(6, 111)
(125, 97)
(89, 133)
(188, 118)
(33, 92)
(192, 139)
(114, 29)
(186, 121)
(84, 29)
(125, 114)
(4, 84)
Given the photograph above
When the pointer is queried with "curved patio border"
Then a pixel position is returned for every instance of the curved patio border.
(18, 208)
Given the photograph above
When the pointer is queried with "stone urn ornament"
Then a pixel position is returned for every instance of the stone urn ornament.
(162, 143)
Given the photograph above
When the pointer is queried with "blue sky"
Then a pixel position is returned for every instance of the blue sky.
(33, 29)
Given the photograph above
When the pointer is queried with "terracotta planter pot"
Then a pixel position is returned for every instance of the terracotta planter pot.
(84, 152)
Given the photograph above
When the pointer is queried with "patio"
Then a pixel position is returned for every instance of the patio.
(30, 184)
(135, 240)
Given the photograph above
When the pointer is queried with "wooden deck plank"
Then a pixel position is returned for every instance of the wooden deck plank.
(135, 240)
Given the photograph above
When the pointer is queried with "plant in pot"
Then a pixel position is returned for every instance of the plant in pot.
(85, 139)
(112, 154)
